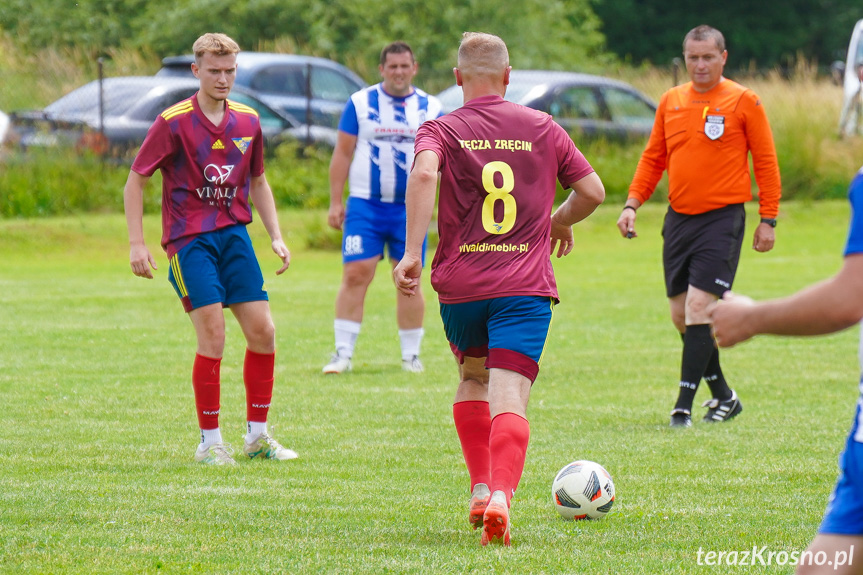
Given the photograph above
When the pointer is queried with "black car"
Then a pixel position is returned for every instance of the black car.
(117, 122)
(284, 80)
(586, 105)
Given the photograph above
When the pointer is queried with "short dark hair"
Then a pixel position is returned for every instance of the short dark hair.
(705, 32)
(395, 48)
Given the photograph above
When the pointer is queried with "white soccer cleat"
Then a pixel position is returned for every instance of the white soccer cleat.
(338, 364)
(268, 448)
(216, 454)
(413, 365)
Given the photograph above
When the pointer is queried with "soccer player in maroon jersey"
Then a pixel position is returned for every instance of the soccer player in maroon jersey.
(499, 164)
(210, 152)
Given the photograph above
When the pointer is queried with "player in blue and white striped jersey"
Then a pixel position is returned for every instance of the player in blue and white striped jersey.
(373, 156)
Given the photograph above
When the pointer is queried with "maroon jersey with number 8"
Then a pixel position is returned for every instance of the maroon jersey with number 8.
(500, 163)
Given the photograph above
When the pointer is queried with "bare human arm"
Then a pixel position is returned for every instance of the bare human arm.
(262, 197)
(419, 202)
(826, 307)
(340, 165)
(587, 194)
(141, 260)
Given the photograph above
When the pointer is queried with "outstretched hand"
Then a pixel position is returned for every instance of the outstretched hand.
(729, 317)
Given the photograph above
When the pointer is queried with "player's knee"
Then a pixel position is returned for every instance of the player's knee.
(211, 342)
(357, 277)
(265, 334)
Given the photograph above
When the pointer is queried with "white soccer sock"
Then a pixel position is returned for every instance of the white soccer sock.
(210, 437)
(411, 339)
(346, 336)
(254, 429)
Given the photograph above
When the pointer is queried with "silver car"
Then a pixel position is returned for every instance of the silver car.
(314, 90)
(586, 106)
(114, 118)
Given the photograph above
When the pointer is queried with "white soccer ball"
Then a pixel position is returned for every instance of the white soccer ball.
(583, 490)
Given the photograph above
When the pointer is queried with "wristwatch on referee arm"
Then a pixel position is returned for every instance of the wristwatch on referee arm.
(769, 221)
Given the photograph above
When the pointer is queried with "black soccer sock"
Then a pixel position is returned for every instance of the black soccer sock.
(697, 349)
(714, 378)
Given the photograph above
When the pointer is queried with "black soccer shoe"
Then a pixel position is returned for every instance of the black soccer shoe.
(719, 411)
(680, 418)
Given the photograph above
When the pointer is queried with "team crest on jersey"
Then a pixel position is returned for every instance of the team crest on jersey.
(242, 144)
(218, 145)
(714, 127)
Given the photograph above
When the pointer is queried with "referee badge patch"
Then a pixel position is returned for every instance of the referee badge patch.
(714, 127)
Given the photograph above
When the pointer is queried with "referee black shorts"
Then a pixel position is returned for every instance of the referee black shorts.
(702, 250)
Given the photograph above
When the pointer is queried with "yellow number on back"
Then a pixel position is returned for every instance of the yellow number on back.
(495, 193)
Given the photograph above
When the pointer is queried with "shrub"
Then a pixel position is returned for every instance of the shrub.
(299, 176)
(47, 183)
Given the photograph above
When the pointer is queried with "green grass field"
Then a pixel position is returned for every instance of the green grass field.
(98, 427)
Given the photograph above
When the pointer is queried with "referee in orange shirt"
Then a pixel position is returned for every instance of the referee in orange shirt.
(703, 134)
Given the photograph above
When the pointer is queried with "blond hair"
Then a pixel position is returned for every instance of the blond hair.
(481, 54)
(214, 43)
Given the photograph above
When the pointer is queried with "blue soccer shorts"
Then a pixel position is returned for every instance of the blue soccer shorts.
(844, 515)
(510, 332)
(217, 267)
(370, 226)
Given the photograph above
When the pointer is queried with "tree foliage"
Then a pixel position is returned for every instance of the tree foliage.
(764, 34)
(556, 34)
(541, 34)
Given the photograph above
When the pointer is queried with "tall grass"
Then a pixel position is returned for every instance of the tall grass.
(803, 112)
(46, 184)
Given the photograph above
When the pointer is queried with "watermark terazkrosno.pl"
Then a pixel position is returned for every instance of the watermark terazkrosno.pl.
(765, 556)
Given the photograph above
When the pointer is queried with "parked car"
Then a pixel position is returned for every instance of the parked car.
(129, 107)
(585, 105)
(283, 80)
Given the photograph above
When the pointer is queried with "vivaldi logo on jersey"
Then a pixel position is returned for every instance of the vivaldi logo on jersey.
(217, 175)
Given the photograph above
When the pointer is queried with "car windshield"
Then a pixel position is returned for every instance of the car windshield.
(118, 99)
(268, 118)
(516, 91)
(628, 109)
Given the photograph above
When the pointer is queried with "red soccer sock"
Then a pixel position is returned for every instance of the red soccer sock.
(473, 425)
(205, 383)
(258, 377)
(510, 434)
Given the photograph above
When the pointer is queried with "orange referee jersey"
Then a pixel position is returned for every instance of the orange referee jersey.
(704, 140)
